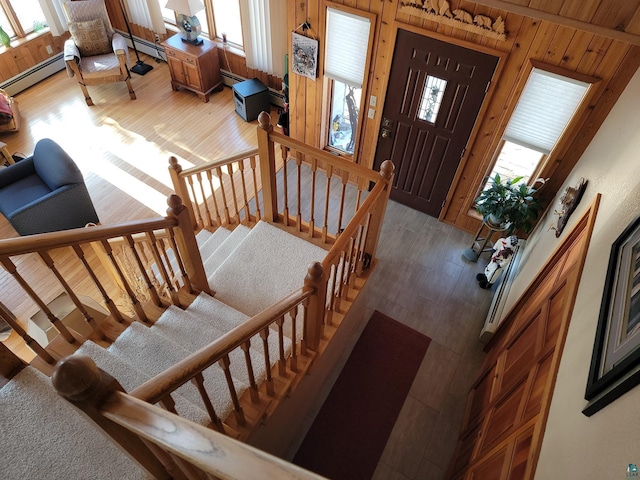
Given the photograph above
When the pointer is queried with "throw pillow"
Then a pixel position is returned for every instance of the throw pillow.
(90, 37)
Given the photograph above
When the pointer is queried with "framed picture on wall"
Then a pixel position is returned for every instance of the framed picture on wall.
(304, 55)
(615, 363)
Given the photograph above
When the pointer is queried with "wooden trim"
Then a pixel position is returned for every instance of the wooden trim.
(560, 20)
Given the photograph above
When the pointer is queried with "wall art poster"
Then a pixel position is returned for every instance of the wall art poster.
(304, 55)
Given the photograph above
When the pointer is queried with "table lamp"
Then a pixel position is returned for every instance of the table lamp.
(188, 23)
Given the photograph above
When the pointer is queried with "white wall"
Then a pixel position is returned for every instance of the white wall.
(575, 446)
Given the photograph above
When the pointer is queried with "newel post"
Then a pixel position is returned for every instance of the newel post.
(83, 384)
(181, 188)
(187, 244)
(267, 155)
(379, 209)
(317, 280)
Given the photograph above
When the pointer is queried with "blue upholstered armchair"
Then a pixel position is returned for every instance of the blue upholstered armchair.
(45, 192)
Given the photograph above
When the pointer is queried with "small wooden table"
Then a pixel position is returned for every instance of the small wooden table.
(193, 67)
(5, 156)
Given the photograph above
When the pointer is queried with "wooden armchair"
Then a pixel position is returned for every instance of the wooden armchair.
(94, 54)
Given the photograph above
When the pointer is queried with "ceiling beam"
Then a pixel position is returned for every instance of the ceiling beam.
(560, 20)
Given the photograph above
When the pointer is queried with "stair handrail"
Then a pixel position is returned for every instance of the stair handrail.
(218, 163)
(167, 445)
(159, 386)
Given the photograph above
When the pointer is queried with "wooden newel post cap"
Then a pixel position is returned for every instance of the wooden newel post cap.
(386, 169)
(264, 120)
(76, 377)
(175, 204)
(314, 273)
(173, 163)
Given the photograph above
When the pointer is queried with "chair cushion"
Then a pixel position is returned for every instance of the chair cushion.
(100, 66)
(90, 37)
(21, 193)
(88, 10)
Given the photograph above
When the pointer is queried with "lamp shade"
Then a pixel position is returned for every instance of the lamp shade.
(186, 7)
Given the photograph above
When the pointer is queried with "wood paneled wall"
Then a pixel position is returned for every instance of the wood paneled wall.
(28, 53)
(612, 61)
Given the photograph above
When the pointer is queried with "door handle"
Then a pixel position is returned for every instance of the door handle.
(386, 133)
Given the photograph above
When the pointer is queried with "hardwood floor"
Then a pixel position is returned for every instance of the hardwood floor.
(122, 147)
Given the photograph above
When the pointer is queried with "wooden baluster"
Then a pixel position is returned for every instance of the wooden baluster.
(77, 379)
(264, 334)
(293, 360)
(164, 257)
(180, 187)
(224, 363)
(253, 386)
(111, 306)
(183, 271)
(312, 223)
(11, 320)
(169, 404)
(205, 204)
(214, 198)
(198, 381)
(245, 205)
(143, 271)
(168, 461)
(46, 258)
(233, 192)
(282, 362)
(305, 325)
(331, 293)
(123, 281)
(173, 294)
(196, 206)
(350, 262)
(285, 184)
(363, 242)
(317, 281)
(377, 213)
(327, 193)
(267, 167)
(345, 180)
(188, 245)
(252, 162)
(337, 293)
(299, 193)
(11, 268)
(357, 256)
(225, 202)
(10, 364)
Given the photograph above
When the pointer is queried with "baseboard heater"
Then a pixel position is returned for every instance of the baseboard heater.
(33, 75)
(496, 310)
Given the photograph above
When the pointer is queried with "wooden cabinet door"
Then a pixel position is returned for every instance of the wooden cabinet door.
(193, 76)
(176, 69)
(507, 404)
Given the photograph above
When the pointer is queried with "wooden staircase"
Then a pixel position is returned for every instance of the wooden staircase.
(156, 266)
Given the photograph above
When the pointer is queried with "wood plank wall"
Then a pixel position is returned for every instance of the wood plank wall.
(613, 61)
(28, 53)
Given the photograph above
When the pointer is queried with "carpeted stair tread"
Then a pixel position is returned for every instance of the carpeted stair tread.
(268, 265)
(213, 242)
(50, 439)
(196, 330)
(154, 353)
(213, 261)
(130, 377)
(202, 236)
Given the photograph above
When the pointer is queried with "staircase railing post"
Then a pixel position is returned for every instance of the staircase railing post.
(317, 280)
(266, 151)
(187, 244)
(378, 211)
(83, 384)
(181, 188)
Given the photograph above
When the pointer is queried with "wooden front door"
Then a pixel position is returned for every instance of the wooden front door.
(509, 402)
(433, 98)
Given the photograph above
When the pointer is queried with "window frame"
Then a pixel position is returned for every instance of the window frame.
(18, 31)
(546, 166)
(327, 85)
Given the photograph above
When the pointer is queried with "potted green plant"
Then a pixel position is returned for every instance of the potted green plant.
(509, 203)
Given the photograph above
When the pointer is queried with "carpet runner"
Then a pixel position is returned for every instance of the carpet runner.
(349, 433)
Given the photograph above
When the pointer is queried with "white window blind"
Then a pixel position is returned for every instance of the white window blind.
(347, 43)
(544, 110)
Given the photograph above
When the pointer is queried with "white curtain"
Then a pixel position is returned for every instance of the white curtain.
(54, 14)
(264, 27)
(146, 13)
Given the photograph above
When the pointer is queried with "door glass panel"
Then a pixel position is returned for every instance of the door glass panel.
(345, 101)
(431, 98)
